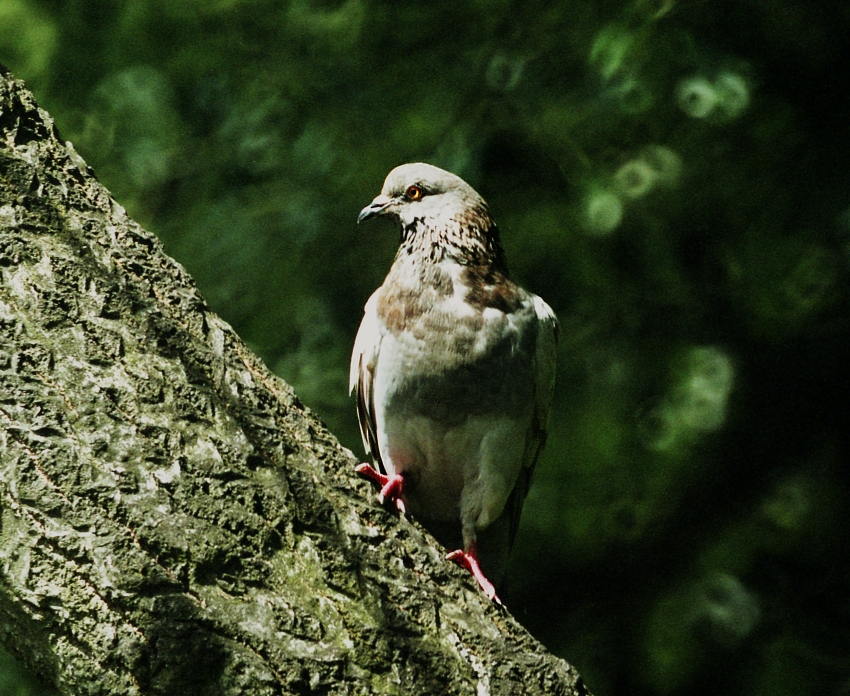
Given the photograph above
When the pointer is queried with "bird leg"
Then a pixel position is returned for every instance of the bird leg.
(391, 486)
(469, 560)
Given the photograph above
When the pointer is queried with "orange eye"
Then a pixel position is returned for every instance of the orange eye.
(414, 192)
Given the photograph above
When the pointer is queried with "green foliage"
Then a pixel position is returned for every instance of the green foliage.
(669, 176)
(15, 682)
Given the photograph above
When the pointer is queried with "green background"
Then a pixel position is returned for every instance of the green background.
(671, 176)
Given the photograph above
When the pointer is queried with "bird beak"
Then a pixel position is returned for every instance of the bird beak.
(375, 208)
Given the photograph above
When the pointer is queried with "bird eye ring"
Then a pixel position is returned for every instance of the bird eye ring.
(414, 192)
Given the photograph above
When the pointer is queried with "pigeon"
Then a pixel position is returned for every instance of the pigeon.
(453, 371)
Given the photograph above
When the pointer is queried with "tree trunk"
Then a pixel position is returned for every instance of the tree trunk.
(174, 521)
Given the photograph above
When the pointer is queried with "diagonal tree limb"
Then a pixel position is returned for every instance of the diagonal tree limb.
(174, 521)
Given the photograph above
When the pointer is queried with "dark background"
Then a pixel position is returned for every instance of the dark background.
(671, 176)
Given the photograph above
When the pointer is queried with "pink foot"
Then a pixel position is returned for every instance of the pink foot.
(391, 486)
(469, 560)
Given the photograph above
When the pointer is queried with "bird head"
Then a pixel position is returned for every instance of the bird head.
(421, 193)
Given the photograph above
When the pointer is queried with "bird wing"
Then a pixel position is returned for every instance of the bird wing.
(364, 360)
(544, 361)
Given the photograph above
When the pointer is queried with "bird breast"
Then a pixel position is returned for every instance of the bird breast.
(454, 388)
(455, 345)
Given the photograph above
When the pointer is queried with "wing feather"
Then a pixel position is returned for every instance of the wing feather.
(364, 361)
(545, 357)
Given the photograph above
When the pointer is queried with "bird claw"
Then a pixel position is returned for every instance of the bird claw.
(391, 486)
(469, 560)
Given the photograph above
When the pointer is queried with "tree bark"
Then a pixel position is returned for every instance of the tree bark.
(174, 521)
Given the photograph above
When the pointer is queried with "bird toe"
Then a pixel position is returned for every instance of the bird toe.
(469, 561)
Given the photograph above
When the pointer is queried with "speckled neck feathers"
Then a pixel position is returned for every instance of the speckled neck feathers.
(469, 238)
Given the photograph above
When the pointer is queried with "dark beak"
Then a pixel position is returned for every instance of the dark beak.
(375, 208)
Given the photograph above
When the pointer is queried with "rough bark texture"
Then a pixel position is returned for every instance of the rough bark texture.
(174, 521)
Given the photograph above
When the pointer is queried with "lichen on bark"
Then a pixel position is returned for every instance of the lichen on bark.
(174, 521)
